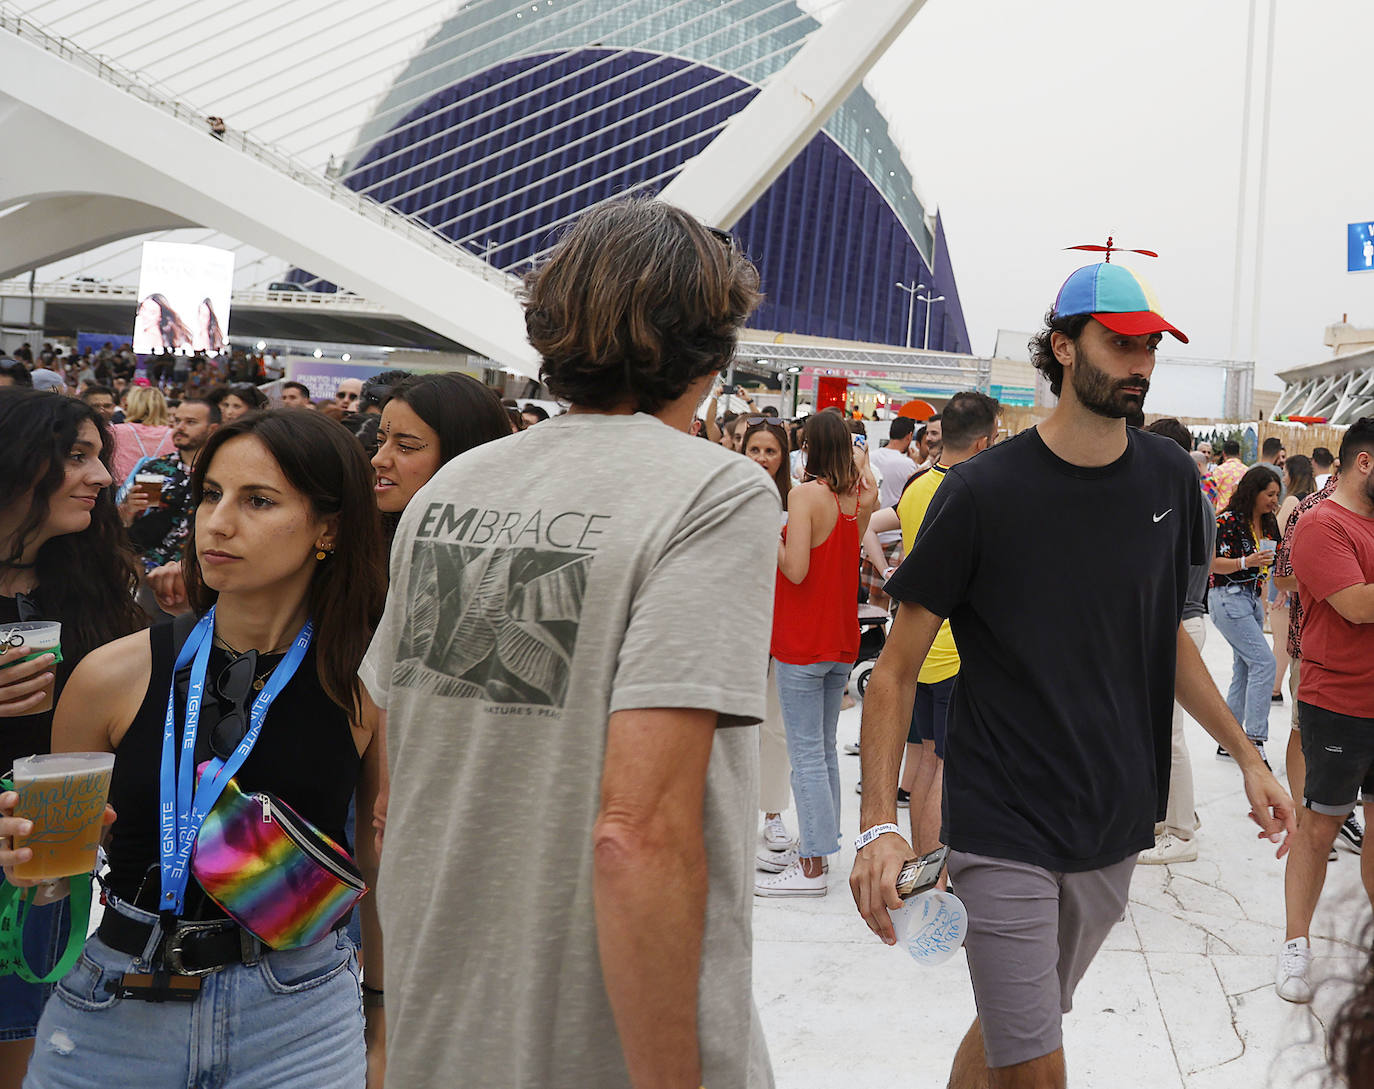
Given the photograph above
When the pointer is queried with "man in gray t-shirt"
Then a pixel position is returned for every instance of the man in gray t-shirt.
(566, 881)
(1176, 838)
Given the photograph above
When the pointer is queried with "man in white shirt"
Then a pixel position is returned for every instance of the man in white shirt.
(1322, 464)
(894, 467)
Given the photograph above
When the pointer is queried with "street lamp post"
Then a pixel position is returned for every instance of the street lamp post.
(910, 306)
(928, 300)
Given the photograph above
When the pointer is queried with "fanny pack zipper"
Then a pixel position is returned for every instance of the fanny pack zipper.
(276, 812)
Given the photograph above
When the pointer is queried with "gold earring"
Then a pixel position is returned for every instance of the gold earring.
(323, 552)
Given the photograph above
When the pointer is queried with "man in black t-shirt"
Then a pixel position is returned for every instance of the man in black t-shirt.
(1061, 558)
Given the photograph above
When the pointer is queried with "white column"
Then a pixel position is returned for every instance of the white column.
(725, 180)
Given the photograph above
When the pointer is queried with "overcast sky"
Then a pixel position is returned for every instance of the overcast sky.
(1035, 126)
(1032, 126)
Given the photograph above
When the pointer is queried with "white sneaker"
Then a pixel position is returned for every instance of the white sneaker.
(1291, 979)
(790, 882)
(775, 861)
(776, 837)
(1169, 848)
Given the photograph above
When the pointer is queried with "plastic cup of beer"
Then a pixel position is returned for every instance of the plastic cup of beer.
(32, 638)
(64, 795)
(150, 484)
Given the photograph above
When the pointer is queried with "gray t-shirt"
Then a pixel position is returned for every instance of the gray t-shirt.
(1195, 604)
(538, 584)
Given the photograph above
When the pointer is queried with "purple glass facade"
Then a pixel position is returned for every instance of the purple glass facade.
(474, 162)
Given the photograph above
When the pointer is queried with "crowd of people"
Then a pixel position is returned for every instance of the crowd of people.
(453, 637)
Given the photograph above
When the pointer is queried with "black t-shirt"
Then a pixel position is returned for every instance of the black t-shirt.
(1064, 587)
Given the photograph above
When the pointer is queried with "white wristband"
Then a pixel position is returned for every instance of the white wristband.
(865, 838)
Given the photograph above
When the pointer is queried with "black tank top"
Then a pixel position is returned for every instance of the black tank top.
(305, 755)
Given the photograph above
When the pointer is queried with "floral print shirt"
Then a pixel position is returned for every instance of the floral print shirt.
(1234, 540)
(176, 498)
(1283, 564)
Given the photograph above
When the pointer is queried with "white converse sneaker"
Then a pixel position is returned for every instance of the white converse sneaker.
(1169, 848)
(776, 837)
(790, 882)
(775, 861)
(1291, 979)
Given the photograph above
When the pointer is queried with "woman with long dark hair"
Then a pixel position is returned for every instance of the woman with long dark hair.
(63, 557)
(1247, 533)
(1301, 484)
(239, 399)
(816, 637)
(209, 334)
(765, 443)
(159, 326)
(286, 573)
(427, 421)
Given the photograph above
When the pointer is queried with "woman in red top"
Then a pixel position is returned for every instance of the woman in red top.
(816, 637)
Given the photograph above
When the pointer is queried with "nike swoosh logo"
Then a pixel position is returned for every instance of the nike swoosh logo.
(1161, 517)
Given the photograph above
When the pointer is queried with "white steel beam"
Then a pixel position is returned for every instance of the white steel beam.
(730, 175)
(50, 228)
(72, 108)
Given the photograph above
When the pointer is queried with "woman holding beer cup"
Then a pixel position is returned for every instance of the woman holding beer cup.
(287, 575)
(62, 559)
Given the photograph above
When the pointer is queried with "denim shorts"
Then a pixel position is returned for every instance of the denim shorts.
(290, 1020)
(21, 1003)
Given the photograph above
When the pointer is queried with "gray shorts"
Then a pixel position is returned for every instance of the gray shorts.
(1032, 934)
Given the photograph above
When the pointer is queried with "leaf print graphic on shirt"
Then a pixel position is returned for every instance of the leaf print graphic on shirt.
(494, 624)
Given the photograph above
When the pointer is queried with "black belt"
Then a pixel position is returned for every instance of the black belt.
(191, 949)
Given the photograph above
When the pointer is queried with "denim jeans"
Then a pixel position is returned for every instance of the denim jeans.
(1239, 616)
(291, 1020)
(810, 696)
(45, 938)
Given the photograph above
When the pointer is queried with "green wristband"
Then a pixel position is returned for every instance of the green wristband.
(56, 652)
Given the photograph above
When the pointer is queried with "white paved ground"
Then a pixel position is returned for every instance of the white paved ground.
(1181, 996)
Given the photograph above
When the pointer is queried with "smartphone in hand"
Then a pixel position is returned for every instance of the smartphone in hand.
(919, 875)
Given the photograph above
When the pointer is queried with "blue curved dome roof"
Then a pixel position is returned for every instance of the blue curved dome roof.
(500, 131)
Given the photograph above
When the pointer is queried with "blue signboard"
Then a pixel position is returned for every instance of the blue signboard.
(1359, 247)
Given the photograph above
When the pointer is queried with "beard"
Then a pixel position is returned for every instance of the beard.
(1102, 394)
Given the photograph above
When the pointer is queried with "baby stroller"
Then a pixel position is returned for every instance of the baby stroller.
(873, 623)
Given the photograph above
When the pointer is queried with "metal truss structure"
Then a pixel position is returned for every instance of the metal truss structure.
(1342, 389)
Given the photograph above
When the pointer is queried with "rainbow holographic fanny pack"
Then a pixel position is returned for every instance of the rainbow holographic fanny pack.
(272, 871)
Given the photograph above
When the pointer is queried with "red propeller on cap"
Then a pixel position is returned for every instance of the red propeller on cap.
(1110, 249)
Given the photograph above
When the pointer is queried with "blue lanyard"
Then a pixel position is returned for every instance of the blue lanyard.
(180, 812)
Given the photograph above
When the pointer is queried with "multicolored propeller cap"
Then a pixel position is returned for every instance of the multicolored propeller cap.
(1114, 295)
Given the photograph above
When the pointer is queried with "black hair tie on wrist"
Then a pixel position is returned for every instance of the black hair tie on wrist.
(371, 990)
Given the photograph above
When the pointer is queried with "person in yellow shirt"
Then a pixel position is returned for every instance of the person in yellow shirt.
(970, 426)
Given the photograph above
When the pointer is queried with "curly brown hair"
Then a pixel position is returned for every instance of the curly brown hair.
(636, 302)
(1041, 345)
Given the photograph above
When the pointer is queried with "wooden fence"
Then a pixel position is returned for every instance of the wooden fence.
(1296, 438)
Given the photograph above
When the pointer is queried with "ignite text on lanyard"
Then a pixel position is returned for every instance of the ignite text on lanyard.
(181, 813)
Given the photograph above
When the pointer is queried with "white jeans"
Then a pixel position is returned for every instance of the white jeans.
(1179, 818)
